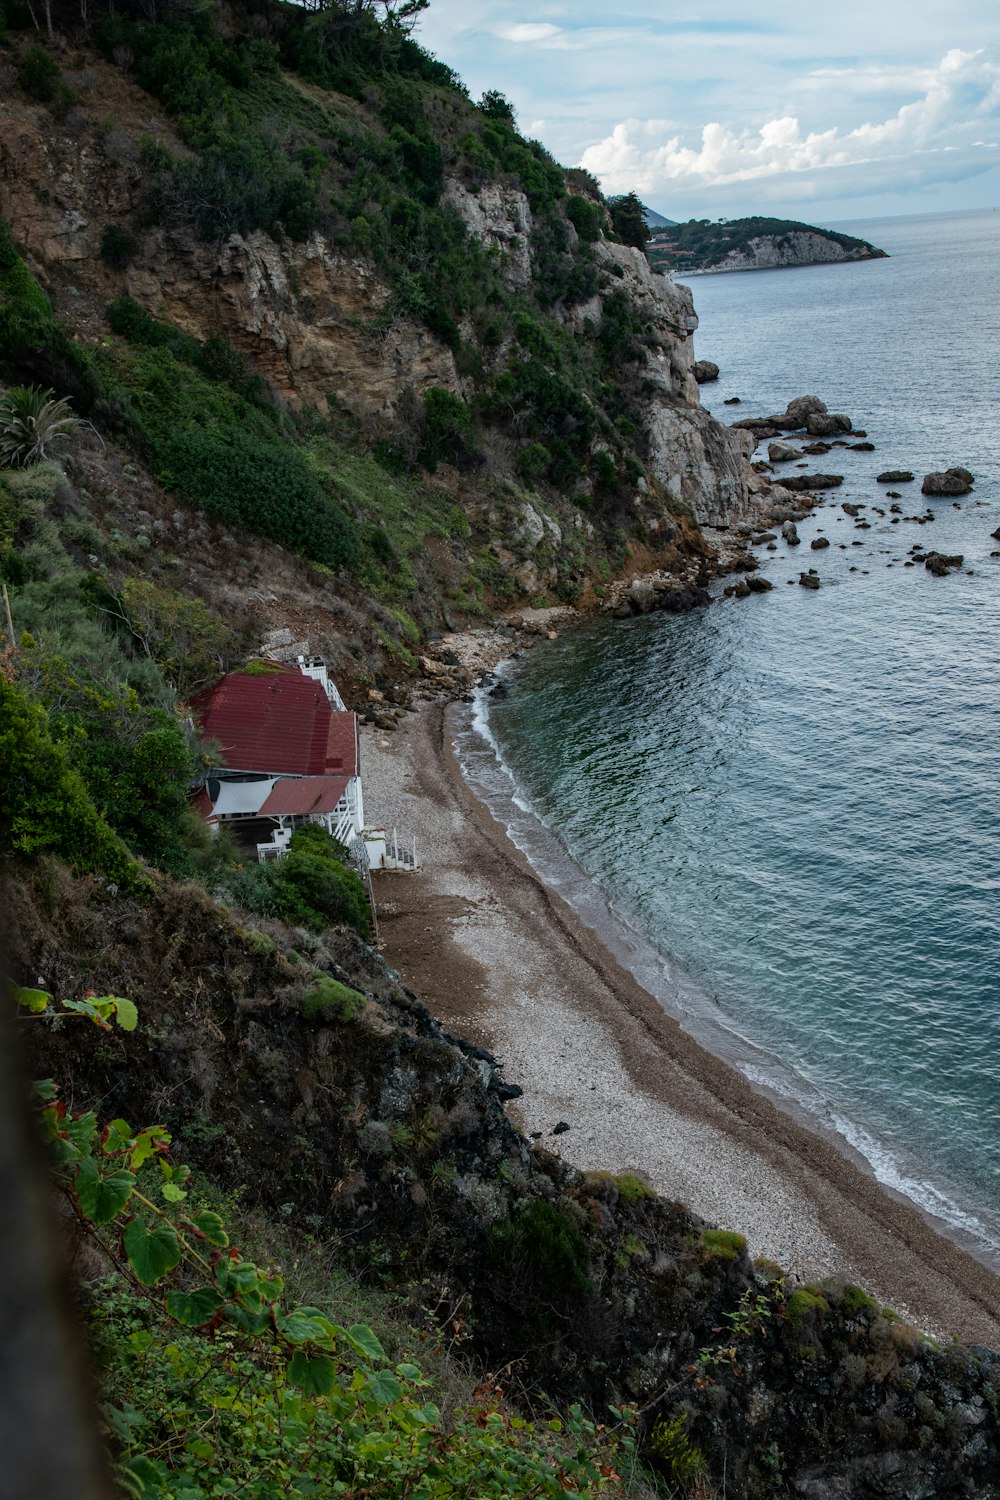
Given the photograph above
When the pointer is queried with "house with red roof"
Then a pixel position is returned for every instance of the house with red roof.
(287, 755)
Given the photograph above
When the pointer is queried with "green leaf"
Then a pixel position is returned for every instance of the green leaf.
(410, 1372)
(33, 1000)
(302, 1326)
(46, 1089)
(173, 1193)
(211, 1226)
(81, 1132)
(201, 1448)
(194, 1309)
(117, 1137)
(364, 1342)
(250, 1322)
(384, 1386)
(156, 1138)
(101, 1198)
(128, 1016)
(151, 1254)
(151, 1476)
(98, 1011)
(317, 1376)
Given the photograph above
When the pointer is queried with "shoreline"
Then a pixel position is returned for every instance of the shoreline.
(503, 959)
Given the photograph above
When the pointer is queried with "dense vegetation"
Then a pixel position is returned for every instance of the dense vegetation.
(701, 243)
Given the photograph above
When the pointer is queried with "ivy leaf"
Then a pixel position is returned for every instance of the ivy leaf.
(364, 1342)
(34, 1001)
(173, 1193)
(128, 1016)
(101, 1198)
(302, 1326)
(151, 1253)
(210, 1227)
(317, 1376)
(194, 1309)
(384, 1386)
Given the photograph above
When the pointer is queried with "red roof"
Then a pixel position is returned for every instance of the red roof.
(304, 794)
(278, 721)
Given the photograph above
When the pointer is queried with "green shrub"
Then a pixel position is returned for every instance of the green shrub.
(673, 1455)
(447, 436)
(328, 998)
(854, 1300)
(632, 1189)
(542, 1252)
(722, 1244)
(804, 1302)
(44, 803)
(587, 218)
(38, 75)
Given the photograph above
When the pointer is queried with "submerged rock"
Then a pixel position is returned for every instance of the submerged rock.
(894, 476)
(813, 481)
(941, 564)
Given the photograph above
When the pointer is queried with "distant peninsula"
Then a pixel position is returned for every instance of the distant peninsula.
(700, 246)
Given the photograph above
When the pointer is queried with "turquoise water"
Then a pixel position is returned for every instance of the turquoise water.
(790, 803)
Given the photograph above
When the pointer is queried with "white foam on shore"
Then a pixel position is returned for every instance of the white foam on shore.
(492, 780)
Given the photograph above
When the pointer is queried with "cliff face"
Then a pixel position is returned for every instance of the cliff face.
(768, 252)
(320, 322)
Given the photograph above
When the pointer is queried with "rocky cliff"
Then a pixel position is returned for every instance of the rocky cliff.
(768, 252)
(323, 323)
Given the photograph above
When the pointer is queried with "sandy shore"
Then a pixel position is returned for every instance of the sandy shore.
(504, 961)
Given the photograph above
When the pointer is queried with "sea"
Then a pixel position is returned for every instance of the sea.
(783, 813)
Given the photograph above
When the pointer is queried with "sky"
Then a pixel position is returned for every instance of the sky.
(823, 113)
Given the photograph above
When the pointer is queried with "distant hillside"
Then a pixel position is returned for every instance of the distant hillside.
(751, 245)
(657, 221)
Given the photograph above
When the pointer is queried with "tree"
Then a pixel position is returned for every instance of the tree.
(629, 220)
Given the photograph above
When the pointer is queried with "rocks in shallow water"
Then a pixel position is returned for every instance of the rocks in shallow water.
(996, 534)
(731, 401)
(782, 453)
(940, 564)
(813, 481)
(816, 449)
(894, 476)
(827, 423)
(560, 1129)
(791, 533)
(819, 542)
(798, 412)
(809, 580)
(744, 562)
(758, 585)
(951, 482)
(851, 510)
(705, 370)
(862, 447)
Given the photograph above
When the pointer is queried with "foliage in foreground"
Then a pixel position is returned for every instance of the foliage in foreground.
(214, 1386)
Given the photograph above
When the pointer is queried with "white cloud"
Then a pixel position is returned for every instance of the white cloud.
(956, 98)
(529, 31)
